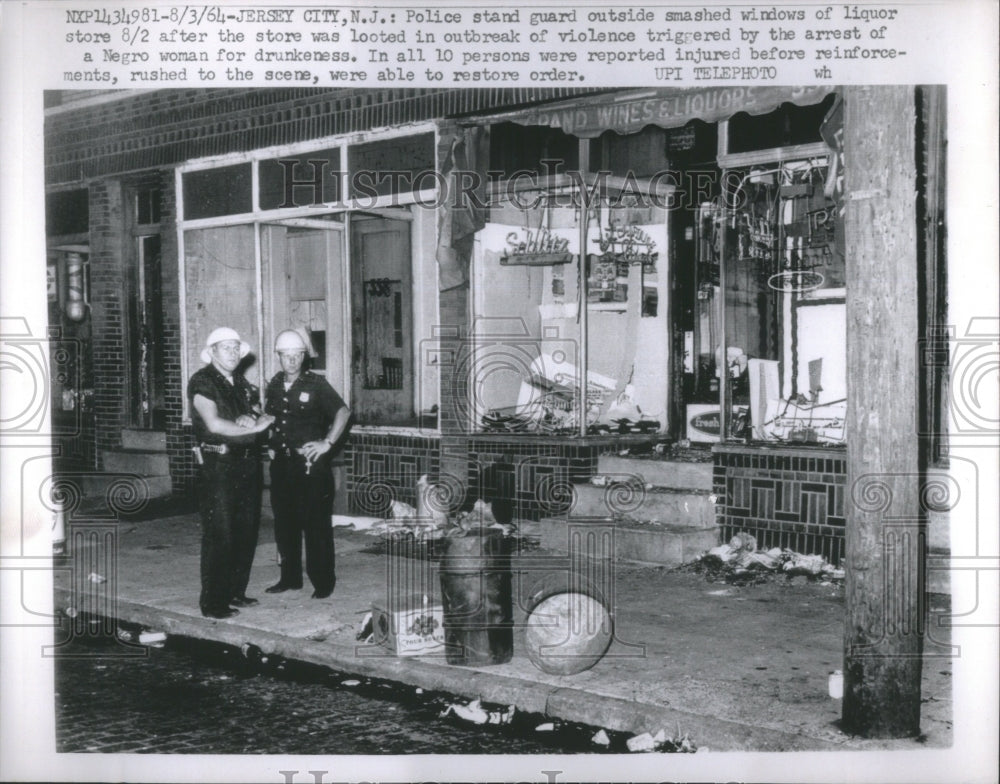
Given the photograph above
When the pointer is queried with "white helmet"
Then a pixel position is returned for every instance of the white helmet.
(217, 336)
(290, 340)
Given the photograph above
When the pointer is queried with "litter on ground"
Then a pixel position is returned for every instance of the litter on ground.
(475, 713)
(740, 559)
(153, 638)
(661, 742)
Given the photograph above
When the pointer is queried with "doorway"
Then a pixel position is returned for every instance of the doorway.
(382, 320)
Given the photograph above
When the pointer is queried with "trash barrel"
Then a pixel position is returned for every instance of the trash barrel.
(569, 626)
(476, 598)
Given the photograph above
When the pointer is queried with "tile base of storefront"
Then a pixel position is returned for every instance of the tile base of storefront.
(784, 496)
(542, 469)
(384, 465)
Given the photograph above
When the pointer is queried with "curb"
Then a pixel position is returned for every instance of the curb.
(560, 702)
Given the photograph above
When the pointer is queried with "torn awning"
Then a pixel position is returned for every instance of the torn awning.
(629, 111)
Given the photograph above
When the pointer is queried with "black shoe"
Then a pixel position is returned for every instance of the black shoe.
(243, 601)
(318, 594)
(280, 587)
(225, 612)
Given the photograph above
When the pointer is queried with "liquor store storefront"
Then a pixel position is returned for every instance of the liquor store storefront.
(709, 306)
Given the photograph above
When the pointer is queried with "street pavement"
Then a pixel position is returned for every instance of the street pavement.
(114, 698)
(733, 667)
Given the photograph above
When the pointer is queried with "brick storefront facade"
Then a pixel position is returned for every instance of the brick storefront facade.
(788, 496)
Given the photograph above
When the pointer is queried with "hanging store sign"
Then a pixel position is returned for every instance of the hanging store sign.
(668, 108)
(535, 248)
(629, 245)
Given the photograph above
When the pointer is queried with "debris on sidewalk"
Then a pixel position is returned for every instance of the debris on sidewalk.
(94, 577)
(601, 738)
(480, 516)
(739, 561)
(402, 511)
(148, 637)
(546, 727)
(472, 712)
(661, 742)
(429, 503)
(151, 638)
(324, 632)
(503, 716)
(836, 685)
(354, 522)
(642, 742)
(366, 631)
(475, 713)
(413, 526)
(253, 654)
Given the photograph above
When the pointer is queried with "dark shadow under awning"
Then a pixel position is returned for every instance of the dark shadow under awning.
(629, 111)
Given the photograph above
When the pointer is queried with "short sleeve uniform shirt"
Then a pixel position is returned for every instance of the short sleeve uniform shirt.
(232, 400)
(303, 412)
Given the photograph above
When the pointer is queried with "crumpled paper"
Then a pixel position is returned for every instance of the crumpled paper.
(740, 554)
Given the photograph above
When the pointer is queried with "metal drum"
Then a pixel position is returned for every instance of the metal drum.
(476, 598)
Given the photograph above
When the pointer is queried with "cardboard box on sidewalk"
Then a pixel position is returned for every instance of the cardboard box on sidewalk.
(409, 625)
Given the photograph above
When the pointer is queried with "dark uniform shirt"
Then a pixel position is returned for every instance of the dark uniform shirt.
(231, 401)
(303, 412)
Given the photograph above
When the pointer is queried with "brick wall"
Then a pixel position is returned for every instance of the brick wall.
(544, 469)
(785, 496)
(180, 437)
(107, 292)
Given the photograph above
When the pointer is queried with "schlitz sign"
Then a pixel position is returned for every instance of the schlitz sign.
(535, 247)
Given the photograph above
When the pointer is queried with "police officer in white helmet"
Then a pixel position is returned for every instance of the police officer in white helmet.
(309, 419)
(226, 418)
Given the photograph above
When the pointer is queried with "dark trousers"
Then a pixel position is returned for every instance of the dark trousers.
(302, 504)
(229, 501)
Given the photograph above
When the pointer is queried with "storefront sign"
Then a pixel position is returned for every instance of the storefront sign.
(629, 244)
(681, 139)
(592, 116)
(535, 247)
(706, 423)
(703, 423)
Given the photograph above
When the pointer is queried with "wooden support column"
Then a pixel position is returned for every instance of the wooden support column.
(582, 359)
(885, 529)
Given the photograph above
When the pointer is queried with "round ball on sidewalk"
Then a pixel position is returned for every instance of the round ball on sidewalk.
(567, 633)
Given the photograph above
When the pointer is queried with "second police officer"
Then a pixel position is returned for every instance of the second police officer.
(309, 418)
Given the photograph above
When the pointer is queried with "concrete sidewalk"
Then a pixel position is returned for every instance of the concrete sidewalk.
(735, 668)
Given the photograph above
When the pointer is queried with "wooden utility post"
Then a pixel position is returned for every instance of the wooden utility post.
(884, 585)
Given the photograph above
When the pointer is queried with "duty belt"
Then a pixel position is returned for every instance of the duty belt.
(226, 449)
(288, 453)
